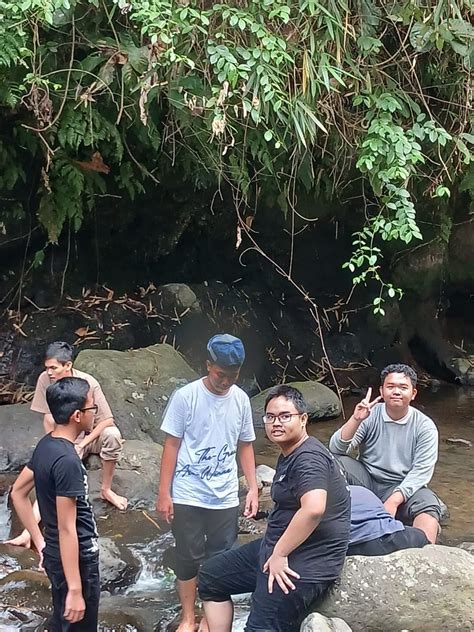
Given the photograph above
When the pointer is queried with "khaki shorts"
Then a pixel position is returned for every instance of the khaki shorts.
(108, 445)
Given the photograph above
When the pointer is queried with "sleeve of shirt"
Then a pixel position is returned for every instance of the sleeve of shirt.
(39, 403)
(103, 409)
(424, 461)
(175, 416)
(309, 472)
(337, 445)
(68, 474)
(247, 432)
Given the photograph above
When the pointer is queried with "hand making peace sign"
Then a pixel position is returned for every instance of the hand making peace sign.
(363, 408)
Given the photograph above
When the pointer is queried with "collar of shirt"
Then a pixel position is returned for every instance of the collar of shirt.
(402, 421)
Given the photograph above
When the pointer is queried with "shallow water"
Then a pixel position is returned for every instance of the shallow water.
(153, 593)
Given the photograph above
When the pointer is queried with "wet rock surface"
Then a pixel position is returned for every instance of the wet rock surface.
(427, 589)
(26, 589)
(118, 567)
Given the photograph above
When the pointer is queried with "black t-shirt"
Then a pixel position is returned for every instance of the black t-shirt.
(59, 471)
(311, 466)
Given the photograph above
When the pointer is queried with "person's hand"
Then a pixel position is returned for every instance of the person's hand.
(363, 408)
(164, 507)
(79, 449)
(40, 548)
(393, 502)
(277, 568)
(251, 503)
(75, 606)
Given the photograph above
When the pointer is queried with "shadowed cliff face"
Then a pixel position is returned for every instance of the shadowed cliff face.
(183, 239)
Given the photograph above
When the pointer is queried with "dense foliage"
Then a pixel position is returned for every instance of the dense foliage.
(265, 98)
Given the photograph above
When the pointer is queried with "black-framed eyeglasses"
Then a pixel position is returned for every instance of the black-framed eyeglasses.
(95, 408)
(283, 418)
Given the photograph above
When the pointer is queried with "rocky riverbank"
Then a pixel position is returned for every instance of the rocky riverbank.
(138, 594)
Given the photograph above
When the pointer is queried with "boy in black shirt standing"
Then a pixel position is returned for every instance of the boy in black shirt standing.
(69, 549)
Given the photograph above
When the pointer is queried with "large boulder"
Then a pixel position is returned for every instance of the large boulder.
(322, 402)
(20, 430)
(118, 567)
(138, 385)
(136, 476)
(176, 298)
(420, 590)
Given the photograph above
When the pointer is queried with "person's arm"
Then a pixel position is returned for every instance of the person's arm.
(24, 509)
(424, 461)
(247, 463)
(92, 436)
(348, 436)
(303, 523)
(164, 502)
(69, 550)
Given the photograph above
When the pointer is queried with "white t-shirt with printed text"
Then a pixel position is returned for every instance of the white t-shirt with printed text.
(210, 427)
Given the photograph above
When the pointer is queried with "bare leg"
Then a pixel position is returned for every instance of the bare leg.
(428, 524)
(24, 539)
(106, 493)
(203, 625)
(187, 598)
(219, 615)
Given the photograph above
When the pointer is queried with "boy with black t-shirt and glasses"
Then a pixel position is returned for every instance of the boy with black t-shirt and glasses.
(69, 550)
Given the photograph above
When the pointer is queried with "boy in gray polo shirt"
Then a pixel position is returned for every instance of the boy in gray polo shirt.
(398, 450)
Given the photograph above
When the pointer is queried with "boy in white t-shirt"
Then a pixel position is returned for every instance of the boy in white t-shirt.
(208, 424)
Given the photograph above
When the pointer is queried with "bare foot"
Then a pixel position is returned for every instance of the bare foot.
(24, 539)
(114, 499)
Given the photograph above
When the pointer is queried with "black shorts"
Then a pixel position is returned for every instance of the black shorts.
(238, 571)
(89, 570)
(201, 533)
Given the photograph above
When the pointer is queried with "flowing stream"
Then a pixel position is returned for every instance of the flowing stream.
(152, 597)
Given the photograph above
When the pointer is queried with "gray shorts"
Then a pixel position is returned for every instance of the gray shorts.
(422, 501)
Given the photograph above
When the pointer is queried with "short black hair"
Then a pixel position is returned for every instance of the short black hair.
(66, 396)
(399, 368)
(61, 351)
(290, 393)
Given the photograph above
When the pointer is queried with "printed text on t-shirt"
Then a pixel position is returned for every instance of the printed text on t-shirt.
(214, 460)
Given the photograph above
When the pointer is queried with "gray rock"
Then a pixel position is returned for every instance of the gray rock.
(138, 385)
(264, 474)
(467, 546)
(463, 369)
(177, 297)
(420, 590)
(118, 567)
(322, 401)
(136, 476)
(14, 558)
(26, 587)
(20, 430)
(19, 618)
(315, 622)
